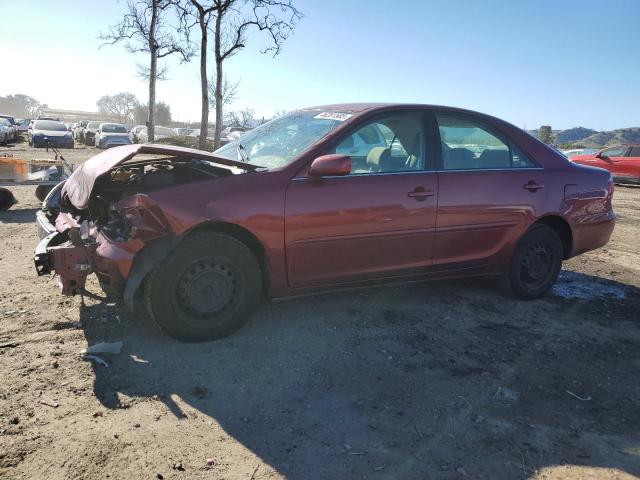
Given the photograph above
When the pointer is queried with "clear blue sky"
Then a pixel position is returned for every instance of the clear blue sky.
(560, 62)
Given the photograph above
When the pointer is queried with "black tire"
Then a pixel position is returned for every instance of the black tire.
(535, 264)
(42, 191)
(6, 199)
(206, 289)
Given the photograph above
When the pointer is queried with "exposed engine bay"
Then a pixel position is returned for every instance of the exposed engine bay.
(118, 209)
(143, 176)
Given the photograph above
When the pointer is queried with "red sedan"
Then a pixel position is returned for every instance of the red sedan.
(324, 198)
(623, 161)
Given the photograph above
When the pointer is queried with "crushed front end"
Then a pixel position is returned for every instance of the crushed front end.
(104, 219)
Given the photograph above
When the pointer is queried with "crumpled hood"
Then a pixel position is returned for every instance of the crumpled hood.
(50, 133)
(78, 186)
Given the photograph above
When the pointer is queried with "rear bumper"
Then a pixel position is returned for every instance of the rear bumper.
(113, 142)
(593, 232)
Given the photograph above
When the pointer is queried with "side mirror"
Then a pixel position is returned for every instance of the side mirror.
(599, 155)
(333, 165)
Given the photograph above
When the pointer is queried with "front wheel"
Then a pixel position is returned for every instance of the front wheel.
(6, 199)
(535, 264)
(206, 289)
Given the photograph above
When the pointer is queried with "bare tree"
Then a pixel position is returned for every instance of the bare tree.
(121, 105)
(233, 19)
(146, 29)
(241, 118)
(20, 105)
(229, 92)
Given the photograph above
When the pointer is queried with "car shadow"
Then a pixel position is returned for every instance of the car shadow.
(442, 380)
(18, 215)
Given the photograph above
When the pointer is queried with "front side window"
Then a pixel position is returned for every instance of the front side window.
(390, 144)
(613, 152)
(467, 145)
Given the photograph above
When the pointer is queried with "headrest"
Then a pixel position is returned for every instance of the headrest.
(377, 157)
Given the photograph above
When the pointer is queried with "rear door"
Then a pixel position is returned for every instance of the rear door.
(489, 191)
(377, 222)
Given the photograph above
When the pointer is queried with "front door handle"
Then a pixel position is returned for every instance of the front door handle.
(420, 193)
(532, 186)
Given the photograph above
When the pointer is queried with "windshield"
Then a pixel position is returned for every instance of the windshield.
(278, 142)
(110, 128)
(49, 125)
(95, 125)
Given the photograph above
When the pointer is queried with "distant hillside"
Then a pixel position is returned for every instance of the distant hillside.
(587, 137)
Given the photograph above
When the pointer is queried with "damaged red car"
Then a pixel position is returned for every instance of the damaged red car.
(323, 198)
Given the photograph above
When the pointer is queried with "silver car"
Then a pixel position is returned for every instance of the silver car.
(111, 135)
(159, 134)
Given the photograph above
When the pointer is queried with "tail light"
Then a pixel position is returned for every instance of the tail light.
(610, 187)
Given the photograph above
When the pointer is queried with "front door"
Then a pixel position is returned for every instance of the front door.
(377, 222)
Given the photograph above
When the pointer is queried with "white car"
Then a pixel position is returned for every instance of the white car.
(159, 134)
(111, 135)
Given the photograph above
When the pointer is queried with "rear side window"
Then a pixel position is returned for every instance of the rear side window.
(468, 145)
(614, 152)
(635, 152)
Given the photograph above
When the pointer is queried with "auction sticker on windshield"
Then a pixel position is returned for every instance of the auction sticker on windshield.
(340, 116)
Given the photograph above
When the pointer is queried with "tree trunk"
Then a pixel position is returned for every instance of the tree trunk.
(153, 69)
(204, 83)
(218, 93)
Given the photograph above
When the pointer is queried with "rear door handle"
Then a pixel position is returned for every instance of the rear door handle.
(420, 193)
(532, 186)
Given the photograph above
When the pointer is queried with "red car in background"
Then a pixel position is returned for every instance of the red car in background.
(623, 161)
(323, 198)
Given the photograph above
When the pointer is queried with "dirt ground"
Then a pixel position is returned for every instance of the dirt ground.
(445, 380)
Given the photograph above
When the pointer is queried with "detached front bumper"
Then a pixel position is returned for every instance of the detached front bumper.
(110, 261)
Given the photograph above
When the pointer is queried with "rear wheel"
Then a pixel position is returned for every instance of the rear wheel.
(536, 263)
(42, 191)
(206, 289)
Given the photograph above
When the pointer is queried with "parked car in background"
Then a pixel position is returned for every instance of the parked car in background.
(89, 132)
(13, 129)
(5, 131)
(159, 134)
(111, 135)
(23, 125)
(183, 132)
(622, 161)
(133, 133)
(231, 133)
(279, 212)
(50, 133)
